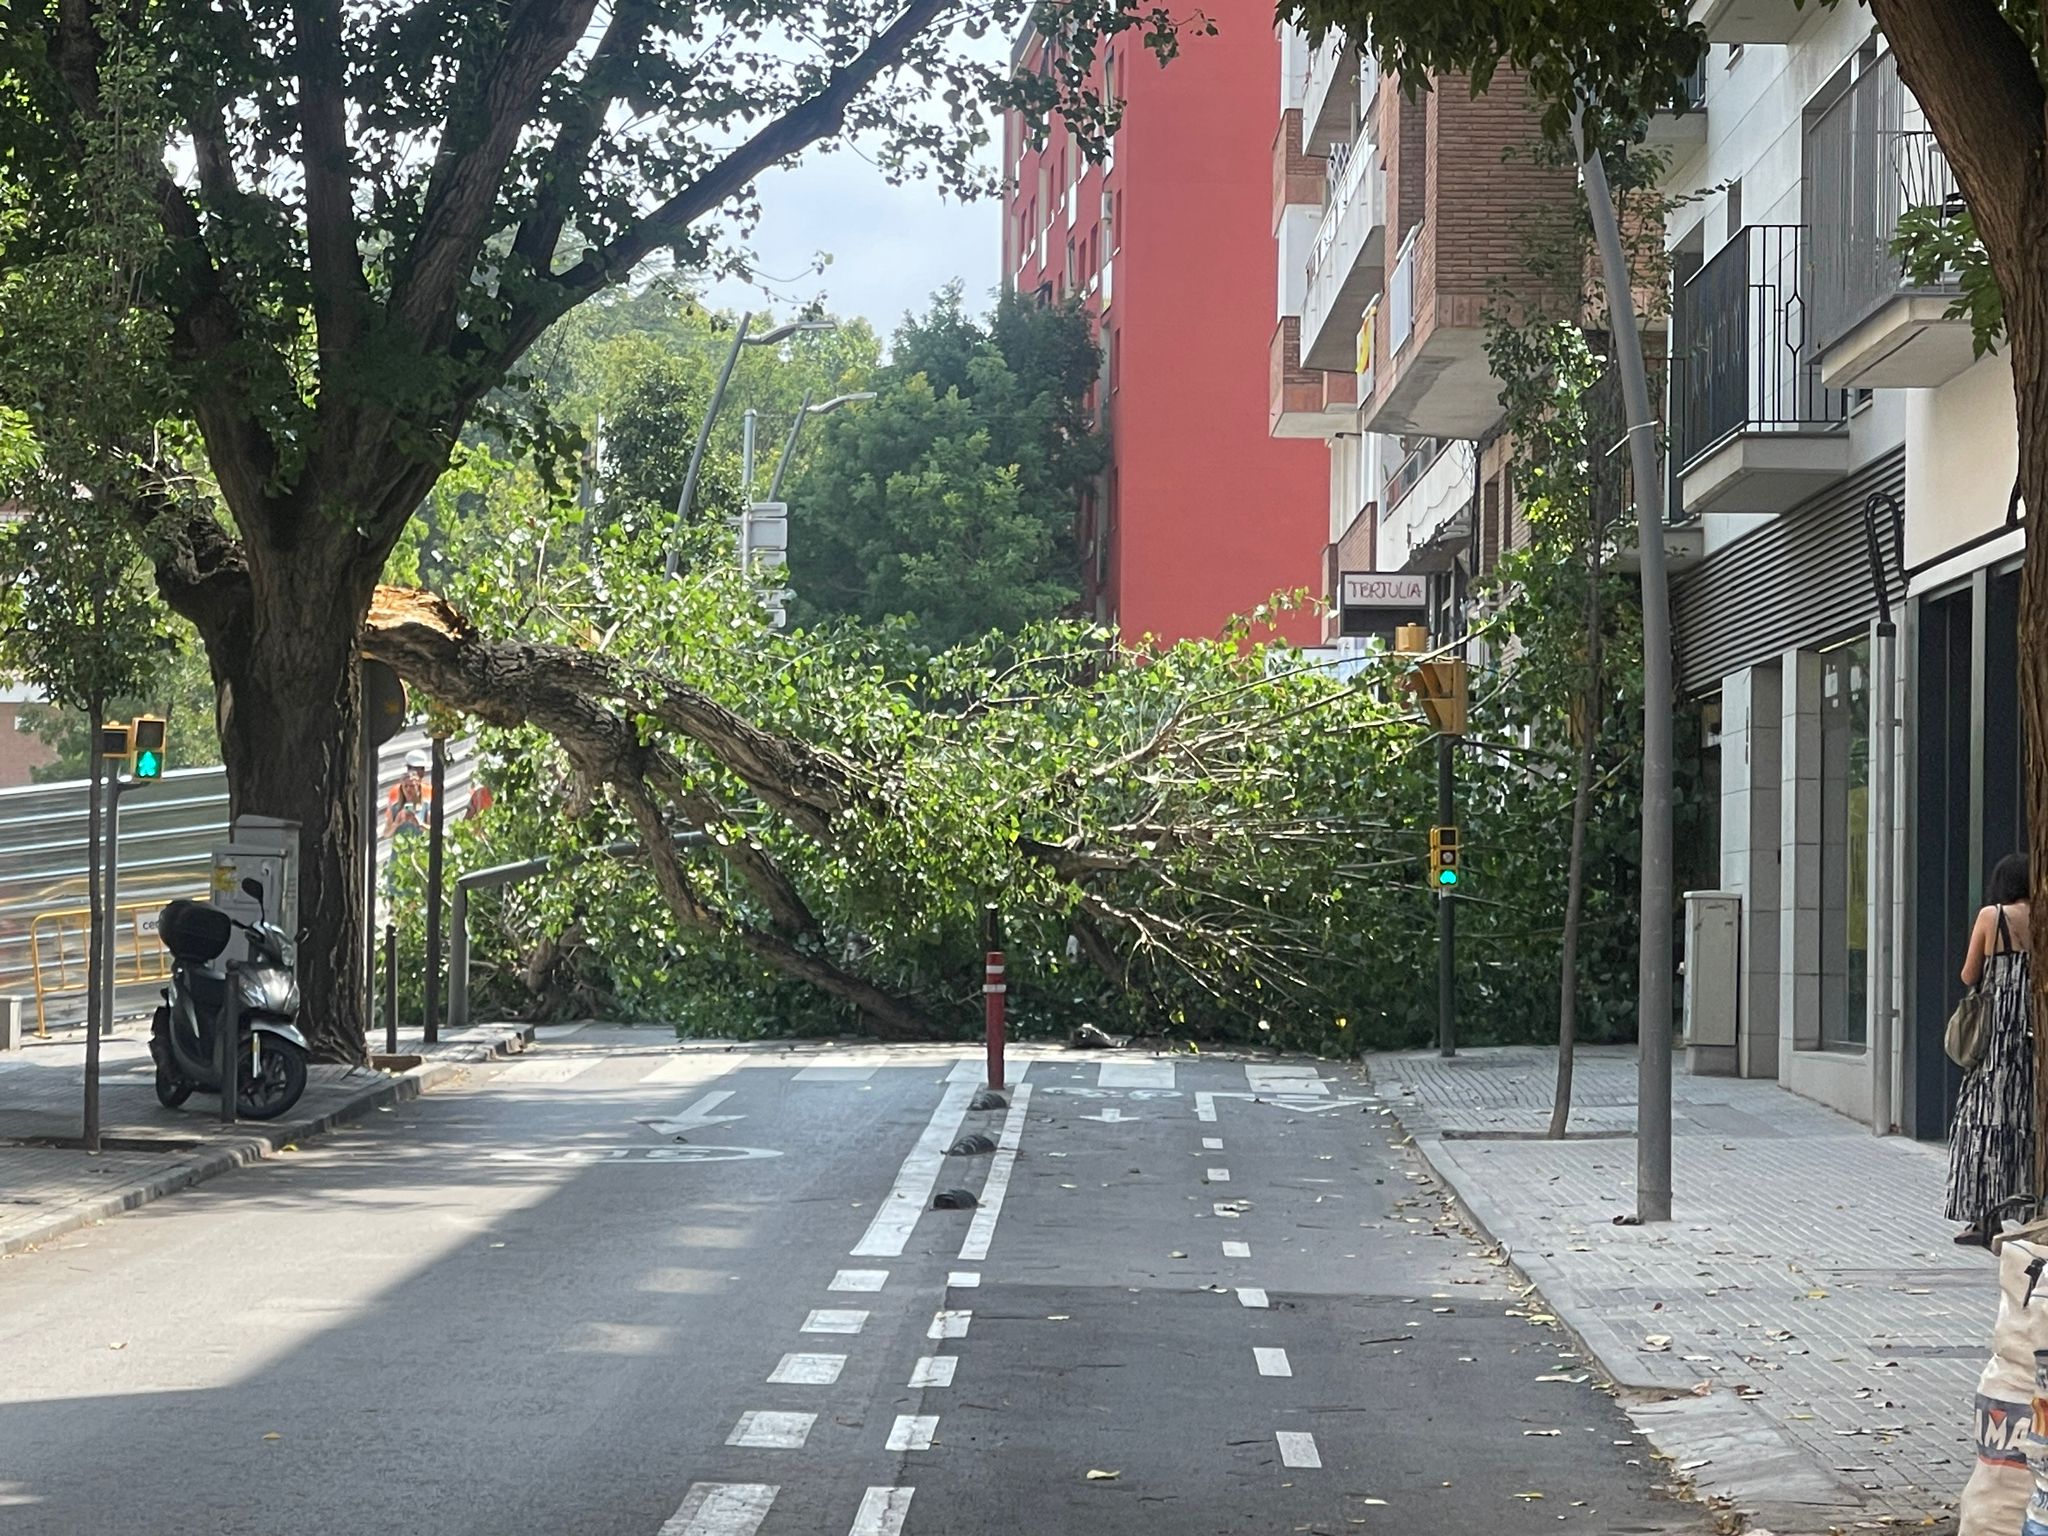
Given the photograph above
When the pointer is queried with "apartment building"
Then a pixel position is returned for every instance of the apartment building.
(1398, 221)
(1818, 399)
(1202, 514)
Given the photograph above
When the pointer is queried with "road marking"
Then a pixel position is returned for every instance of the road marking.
(829, 1320)
(889, 1233)
(688, 1067)
(1219, 1175)
(1107, 1116)
(1205, 1106)
(881, 1512)
(769, 1431)
(982, 1230)
(965, 1278)
(972, 1069)
(807, 1370)
(1272, 1362)
(695, 1117)
(556, 1031)
(721, 1509)
(1286, 1080)
(1212, 1143)
(834, 1075)
(1231, 1208)
(1251, 1296)
(859, 1280)
(913, 1432)
(1237, 1250)
(949, 1324)
(523, 1071)
(1298, 1449)
(934, 1371)
(1135, 1074)
(632, 1157)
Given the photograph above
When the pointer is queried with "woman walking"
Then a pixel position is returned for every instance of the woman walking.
(1991, 1146)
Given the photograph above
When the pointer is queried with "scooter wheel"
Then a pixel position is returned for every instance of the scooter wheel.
(171, 1091)
(281, 1078)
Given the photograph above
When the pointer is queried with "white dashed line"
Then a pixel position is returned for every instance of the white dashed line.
(913, 1432)
(830, 1320)
(981, 1231)
(770, 1431)
(949, 1325)
(1228, 1208)
(1272, 1362)
(889, 1232)
(966, 1279)
(1212, 1143)
(1298, 1449)
(1219, 1175)
(1237, 1250)
(882, 1511)
(859, 1280)
(934, 1371)
(807, 1370)
(1251, 1296)
(1271, 1080)
(721, 1509)
(1205, 1106)
(1135, 1074)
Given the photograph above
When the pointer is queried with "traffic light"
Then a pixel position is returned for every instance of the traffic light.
(117, 740)
(1443, 856)
(1440, 686)
(150, 741)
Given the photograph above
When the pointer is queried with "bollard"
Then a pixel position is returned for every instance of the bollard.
(391, 989)
(227, 1054)
(994, 989)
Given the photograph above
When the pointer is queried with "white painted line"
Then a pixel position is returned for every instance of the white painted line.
(859, 1280)
(807, 1370)
(1205, 1106)
(556, 1031)
(689, 1067)
(1298, 1449)
(934, 1371)
(974, 1069)
(553, 1070)
(949, 1324)
(965, 1279)
(882, 1511)
(889, 1233)
(1135, 1074)
(913, 1432)
(1212, 1143)
(1219, 1175)
(1237, 1250)
(770, 1431)
(1228, 1208)
(1272, 1362)
(982, 1230)
(721, 1509)
(829, 1320)
(1251, 1296)
(1267, 1080)
(834, 1075)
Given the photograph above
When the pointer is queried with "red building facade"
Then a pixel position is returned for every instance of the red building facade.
(1202, 513)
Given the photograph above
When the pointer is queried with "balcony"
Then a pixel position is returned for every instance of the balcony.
(1757, 429)
(1681, 126)
(1331, 103)
(1751, 21)
(1345, 260)
(1306, 402)
(1428, 517)
(1433, 378)
(1866, 167)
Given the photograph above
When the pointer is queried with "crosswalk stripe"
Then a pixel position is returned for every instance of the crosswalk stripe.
(882, 1511)
(721, 1509)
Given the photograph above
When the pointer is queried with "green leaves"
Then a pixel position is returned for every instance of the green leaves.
(1939, 245)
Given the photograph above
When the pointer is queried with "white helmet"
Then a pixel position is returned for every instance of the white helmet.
(416, 760)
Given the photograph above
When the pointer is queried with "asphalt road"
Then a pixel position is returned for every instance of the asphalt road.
(621, 1288)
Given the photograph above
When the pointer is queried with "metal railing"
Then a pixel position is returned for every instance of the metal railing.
(58, 943)
(1691, 95)
(1745, 355)
(1401, 294)
(1866, 166)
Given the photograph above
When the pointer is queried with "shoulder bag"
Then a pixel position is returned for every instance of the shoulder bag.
(1970, 1024)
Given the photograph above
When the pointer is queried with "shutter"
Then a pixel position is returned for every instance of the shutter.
(1800, 579)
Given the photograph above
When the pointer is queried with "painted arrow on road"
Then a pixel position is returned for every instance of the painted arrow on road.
(696, 1117)
(1107, 1117)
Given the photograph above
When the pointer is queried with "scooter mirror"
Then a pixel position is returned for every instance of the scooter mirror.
(253, 889)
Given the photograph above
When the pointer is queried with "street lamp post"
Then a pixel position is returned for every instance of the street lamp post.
(740, 338)
(803, 413)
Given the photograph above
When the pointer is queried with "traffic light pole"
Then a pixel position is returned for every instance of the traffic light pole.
(1446, 910)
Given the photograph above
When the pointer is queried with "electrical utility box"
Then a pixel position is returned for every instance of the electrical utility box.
(1713, 983)
(272, 864)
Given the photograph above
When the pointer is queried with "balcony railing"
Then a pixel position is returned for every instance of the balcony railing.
(1691, 95)
(1333, 74)
(1401, 294)
(1866, 167)
(1743, 345)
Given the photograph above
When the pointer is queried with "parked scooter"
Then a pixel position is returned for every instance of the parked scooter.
(270, 1052)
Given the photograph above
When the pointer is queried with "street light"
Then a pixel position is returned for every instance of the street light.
(803, 412)
(740, 338)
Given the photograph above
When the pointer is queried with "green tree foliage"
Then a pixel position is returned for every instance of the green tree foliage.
(949, 502)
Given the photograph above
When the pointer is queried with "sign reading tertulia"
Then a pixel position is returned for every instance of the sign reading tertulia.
(1377, 602)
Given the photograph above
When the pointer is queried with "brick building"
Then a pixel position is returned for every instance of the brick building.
(1202, 513)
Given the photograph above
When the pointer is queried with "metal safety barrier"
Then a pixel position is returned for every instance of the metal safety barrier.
(59, 942)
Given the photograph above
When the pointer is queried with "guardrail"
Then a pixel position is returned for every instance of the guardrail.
(59, 942)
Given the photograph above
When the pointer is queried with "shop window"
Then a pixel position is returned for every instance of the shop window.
(1845, 846)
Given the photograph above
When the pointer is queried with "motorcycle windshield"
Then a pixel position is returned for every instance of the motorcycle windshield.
(270, 989)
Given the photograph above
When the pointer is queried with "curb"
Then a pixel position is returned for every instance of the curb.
(253, 1146)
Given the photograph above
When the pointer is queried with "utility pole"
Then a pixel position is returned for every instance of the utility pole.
(1653, 934)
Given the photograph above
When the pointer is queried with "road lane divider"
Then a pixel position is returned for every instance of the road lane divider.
(981, 1231)
(889, 1233)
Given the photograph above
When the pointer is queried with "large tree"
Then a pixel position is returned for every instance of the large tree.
(364, 216)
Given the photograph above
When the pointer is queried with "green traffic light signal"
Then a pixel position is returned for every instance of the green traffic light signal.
(150, 737)
(149, 765)
(1447, 877)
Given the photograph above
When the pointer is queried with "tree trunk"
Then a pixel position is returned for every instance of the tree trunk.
(290, 734)
(2027, 320)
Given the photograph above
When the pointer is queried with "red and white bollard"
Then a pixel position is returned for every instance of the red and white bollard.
(993, 990)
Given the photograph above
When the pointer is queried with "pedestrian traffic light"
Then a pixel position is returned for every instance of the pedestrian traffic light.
(1443, 856)
(117, 740)
(149, 734)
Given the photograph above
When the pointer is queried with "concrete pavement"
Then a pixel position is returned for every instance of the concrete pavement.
(617, 1286)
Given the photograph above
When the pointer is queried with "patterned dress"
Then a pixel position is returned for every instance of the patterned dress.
(1991, 1145)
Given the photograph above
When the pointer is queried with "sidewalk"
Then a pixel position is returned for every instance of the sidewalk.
(46, 1191)
(1806, 1285)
